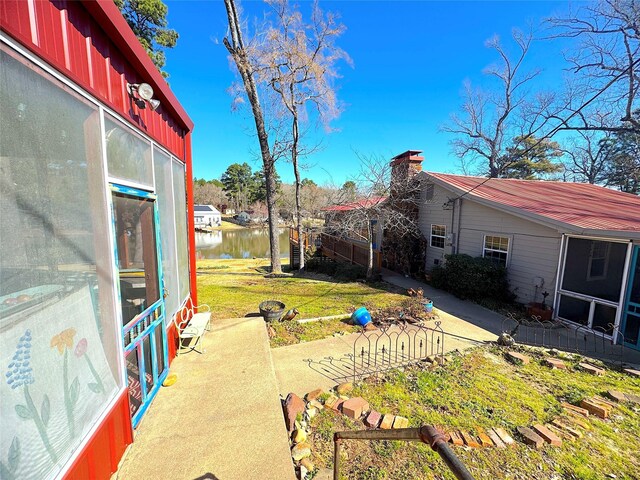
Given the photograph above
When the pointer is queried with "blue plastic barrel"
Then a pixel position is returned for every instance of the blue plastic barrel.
(361, 317)
(428, 306)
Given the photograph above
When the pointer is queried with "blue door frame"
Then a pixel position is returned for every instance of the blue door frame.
(142, 331)
(630, 325)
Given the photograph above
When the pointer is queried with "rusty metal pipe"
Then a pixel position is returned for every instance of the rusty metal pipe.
(438, 442)
(336, 456)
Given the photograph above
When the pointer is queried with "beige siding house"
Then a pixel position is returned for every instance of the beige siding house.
(571, 247)
(579, 243)
(532, 248)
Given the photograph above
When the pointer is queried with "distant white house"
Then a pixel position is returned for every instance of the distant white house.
(206, 216)
(244, 217)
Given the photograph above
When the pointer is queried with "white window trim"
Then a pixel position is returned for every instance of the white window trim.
(443, 237)
(508, 252)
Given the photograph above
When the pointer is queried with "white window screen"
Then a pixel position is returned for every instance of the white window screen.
(180, 202)
(128, 155)
(166, 212)
(59, 359)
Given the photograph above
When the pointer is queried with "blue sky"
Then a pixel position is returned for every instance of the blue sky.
(410, 60)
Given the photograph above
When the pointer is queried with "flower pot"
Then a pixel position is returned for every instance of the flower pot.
(536, 309)
(271, 310)
(361, 317)
(428, 306)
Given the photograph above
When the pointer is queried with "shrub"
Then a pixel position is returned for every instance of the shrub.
(338, 270)
(472, 278)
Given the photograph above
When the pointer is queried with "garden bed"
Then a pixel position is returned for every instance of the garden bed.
(482, 389)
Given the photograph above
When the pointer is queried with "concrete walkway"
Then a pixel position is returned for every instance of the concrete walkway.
(221, 420)
(566, 338)
(449, 306)
(322, 364)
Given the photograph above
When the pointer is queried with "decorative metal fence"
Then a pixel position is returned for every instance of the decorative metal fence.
(596, 342)
(395, 345)
(388, 347)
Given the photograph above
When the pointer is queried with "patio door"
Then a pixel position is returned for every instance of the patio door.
(141, 295)
(630, 326)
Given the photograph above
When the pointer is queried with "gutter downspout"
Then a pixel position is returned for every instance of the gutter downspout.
(453, 217)
(459, 224)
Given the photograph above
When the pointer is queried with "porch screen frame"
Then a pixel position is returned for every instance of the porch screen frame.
(562, 264)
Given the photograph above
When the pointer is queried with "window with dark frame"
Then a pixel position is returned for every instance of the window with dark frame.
(496, 249)
(438, 235)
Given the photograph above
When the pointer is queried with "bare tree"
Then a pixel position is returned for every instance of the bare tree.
(491, 119)
(299, 64)
(242, 57)
(208, 194)
(588, 157)
(605, 64)
(385, 202)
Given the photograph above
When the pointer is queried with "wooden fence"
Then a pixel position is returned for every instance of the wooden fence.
(347, 250)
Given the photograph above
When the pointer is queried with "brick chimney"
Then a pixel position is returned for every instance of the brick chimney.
(405, 166)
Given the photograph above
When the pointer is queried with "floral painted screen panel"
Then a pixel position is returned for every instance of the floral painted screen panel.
(59, 360)
(128, 155)
(182, 244)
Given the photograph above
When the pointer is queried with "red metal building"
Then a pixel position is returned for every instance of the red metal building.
(98, 250)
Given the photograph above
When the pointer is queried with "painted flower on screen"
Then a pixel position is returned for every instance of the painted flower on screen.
(19, 371)
(63, 340)
(81, 348)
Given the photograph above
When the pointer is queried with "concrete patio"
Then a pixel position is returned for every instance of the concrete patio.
(221, 420)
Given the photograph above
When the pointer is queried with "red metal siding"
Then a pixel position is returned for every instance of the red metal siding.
(90, 43)
(172, 342)
(70, 40)
(101, 455)
(18, 12)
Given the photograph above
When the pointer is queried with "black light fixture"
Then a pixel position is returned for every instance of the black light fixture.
(142, 93)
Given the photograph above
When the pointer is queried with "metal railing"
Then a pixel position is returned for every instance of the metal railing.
(395, 345)
(426, 434)
(594, 342)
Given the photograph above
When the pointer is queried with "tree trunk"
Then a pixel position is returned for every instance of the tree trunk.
(370, 259)
(296, 172)
(239, 55)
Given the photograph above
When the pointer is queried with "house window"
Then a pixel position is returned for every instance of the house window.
(496, 248)
(598, 260)
(438, 233)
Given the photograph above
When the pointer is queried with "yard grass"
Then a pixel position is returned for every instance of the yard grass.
(481, 389)
(235, 288)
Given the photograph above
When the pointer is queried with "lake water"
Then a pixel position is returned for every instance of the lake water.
(245, 243)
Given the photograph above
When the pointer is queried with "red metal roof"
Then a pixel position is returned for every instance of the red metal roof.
(362, 203)
(578, 204)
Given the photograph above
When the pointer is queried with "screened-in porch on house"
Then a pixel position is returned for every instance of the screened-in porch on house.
(592, 282)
